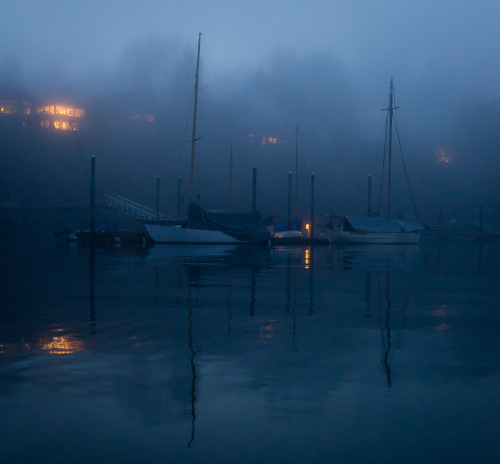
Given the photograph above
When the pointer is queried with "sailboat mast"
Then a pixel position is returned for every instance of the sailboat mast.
(391, 110)
(193, 141)
(296, 172)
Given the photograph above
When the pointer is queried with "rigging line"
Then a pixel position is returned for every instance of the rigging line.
(383, 165)
(182, 142)
(79, 146)
(217, 84)
(412, 197)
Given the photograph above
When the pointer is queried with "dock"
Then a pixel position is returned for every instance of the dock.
(123, 238)
(299, 241)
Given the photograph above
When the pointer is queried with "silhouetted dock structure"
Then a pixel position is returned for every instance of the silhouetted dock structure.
(123, 238)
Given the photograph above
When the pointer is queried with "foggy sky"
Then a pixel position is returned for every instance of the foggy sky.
(439, 52)
(324, 66)
(444, 41)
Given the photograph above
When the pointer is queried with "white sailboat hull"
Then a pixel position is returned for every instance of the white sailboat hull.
(177, 234)
(342, 236)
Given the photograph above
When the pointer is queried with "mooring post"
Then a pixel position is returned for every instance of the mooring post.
(92, 194)
(480, 222)
(369, 195)
(254, 190)
(157, 197)
(179, 180)
(440, 220)
(311, 226)
(231, 179)
(289, 200)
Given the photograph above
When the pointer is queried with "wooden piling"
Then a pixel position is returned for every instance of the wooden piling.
(369, 195)
(290, 200)
(480, 222)
(157, 197)
(254, 190)
(311, 226)
(179, 180)
(92, 194)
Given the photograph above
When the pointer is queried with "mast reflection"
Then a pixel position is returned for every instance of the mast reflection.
(311, 280)
(384, 319)
(92, 316)
(193, 367)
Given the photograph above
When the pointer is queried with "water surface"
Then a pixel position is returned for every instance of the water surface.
(250, 354)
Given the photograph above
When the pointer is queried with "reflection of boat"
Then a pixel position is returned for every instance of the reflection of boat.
(376, 258)
(378, 230)
(231, 256)
(159, 253)
(205, 226)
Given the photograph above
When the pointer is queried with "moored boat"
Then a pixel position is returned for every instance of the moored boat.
(352, 229)
(378, 230)
(204, 226)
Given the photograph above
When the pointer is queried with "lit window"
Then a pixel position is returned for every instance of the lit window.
(62, 125)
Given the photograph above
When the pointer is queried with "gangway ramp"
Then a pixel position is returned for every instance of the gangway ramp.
(134, 209)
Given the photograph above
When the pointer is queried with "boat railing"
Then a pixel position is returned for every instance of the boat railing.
(134, 209)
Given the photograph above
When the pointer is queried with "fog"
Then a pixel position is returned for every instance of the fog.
(264, 72)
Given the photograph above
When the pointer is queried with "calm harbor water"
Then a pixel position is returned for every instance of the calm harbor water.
(251, 354)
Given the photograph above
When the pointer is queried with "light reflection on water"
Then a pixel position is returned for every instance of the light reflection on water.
(237, 354)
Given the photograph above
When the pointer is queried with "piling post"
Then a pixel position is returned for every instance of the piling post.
(480, 222)
(254, 190)
(231, 179)
(179, 180)
(289, 200)
(92, 194)
(369, 195)
(311, 226)
(157, 197)
(440, 221)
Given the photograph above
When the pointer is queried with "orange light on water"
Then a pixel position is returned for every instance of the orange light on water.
(64, 344)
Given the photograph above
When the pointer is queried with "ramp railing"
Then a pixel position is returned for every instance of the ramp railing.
(133, 209)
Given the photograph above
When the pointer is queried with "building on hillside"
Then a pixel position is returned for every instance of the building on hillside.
(60, 116)
(16, 109)
(20, 110)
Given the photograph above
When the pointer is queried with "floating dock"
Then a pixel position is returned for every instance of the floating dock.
(111, 238)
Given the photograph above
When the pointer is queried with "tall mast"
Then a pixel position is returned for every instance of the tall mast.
(296, 172)
(391, 110)
(193, 141)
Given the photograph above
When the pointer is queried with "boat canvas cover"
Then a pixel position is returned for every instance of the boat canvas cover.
(282, 226)
(379, 225)
(248, 227)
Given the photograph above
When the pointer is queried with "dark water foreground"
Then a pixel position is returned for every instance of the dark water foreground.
(243, 355)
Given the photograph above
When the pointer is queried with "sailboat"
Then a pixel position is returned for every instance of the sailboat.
(291, 229)
(378, 230)
(204, 226)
